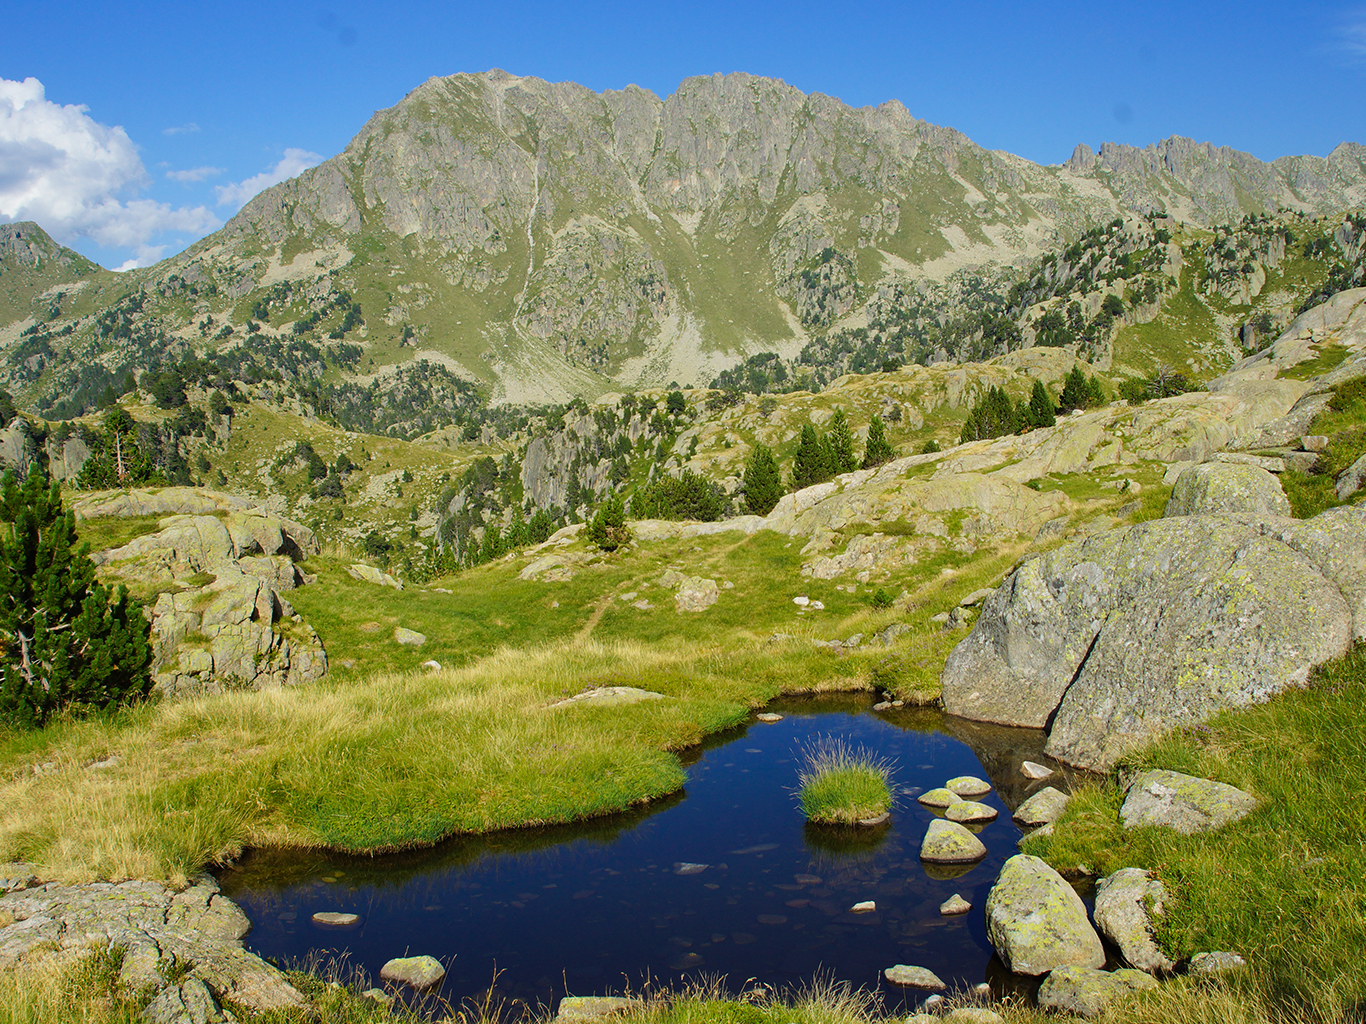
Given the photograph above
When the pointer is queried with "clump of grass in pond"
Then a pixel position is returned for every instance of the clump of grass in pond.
(843, 785)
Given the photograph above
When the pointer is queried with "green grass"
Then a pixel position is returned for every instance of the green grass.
(107, 532)
(1327, 357)
(1286, 887)
(843, 785)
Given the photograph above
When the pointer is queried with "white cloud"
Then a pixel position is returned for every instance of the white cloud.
(194, 174)
(181, 129)
(63, 169)
(295, 161)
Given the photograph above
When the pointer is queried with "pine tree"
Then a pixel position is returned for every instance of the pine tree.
(1041, 407)
(763, 483)
(607, 529)
(877, 451)
(1073, 391)
(809, 464)
(65, 643)
(841, 444)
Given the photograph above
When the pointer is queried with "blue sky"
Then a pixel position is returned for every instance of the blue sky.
(215, 101)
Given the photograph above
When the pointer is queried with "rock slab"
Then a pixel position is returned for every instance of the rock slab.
(1125, 905)
(1036, 921)
(1215, 487)
(1086, 991)
(1043, 808)
(1184, 803)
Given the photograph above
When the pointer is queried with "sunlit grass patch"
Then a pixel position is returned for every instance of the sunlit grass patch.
(843, 785)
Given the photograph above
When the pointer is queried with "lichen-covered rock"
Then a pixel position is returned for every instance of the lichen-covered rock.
(1216, 963)
(1036, 922)
(970, 812)
(1351, 479)
(1043, 808)
(409, 637)
(696, 594)
(152, 926)
(369, 574)
(610, 696)
(947, 842)
(1126, 903)
(420, 972)
(968, 786)
(939, 798)
(1086, 991)
(1123, 635)
(1184, 803)
(913, 977)
(187, 1003)
(574, 1008)
(1214, 487)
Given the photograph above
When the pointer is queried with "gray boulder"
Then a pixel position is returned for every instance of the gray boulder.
(947, 842)
(913, 977)
(1184, 803)
(1126, 903)
(1216, 963)
(1351, 479)
(420, 972)
(1036, 921)
(696, 594)
(1086, 991)
(1043, 808)
(1214, 487)
(1119, 637)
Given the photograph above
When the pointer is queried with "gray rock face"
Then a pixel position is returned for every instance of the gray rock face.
(151, 924)
(18, 450)
(1086, 991)
(187, 1003)
(1214, 487)
(1183, 802)
(1036, 922)
(1043, 808)
(1351, 479)
(1121, 636)
(1122, 914)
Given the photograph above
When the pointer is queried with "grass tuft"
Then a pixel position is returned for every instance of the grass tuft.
(842, 785)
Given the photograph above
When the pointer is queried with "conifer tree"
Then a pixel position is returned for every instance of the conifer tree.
(607, 529)
(763, 484)
(65, 642)
(841, 444)
(1041, 407)
(810, 464)
(877, 451)
(1073, 391)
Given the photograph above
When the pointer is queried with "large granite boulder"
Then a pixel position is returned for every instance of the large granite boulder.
(1116, 638)
(1036, 922)
(1227, 487)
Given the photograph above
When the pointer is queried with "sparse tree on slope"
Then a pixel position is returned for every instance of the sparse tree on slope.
(842, 443)
(763, 483)
(877, 451)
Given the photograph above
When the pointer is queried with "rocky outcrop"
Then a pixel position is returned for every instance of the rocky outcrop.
(235, 631)
(1112, 640)
(1036, 922)
(153, 926)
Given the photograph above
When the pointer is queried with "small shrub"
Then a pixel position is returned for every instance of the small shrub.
(930, 447)
(881, 598)
(842, 785)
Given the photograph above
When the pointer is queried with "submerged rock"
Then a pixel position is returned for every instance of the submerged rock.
(1034, 770)
(591, 1007)
(1126, 903)
(1183, 802)
(954, 906)
(1036, 921)
(1086, 991)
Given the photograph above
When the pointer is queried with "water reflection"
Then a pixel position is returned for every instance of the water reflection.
(722, 878)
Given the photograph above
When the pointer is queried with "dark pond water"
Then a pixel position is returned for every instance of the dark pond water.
(625, 901)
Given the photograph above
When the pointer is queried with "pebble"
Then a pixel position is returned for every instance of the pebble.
(432, 666)
(866, 907)
(802, 601)
(769, 716)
